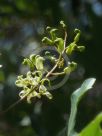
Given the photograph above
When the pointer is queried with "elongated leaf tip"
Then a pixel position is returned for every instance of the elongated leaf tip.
(89, 82)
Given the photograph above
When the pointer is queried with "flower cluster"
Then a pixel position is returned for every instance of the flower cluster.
(33, 83)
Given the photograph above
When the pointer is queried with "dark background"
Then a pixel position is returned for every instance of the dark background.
(22, 25)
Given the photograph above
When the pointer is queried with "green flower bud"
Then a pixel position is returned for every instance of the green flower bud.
(63, 24)
(53, 33)
(25, 62)
(80, 48)
(32, 57)
(60, 44)
(76, 39)
(72, 66)
(47, 41)
(71, 48)
(39, 63)
(48, 28)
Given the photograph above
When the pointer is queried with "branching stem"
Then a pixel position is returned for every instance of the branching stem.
(58, 74)
(17, 102)
(65, 39)
(53, 69)
(47, 75)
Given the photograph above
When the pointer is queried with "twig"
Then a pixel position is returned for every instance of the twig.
(65, 39)
(58, 74)
(50, 72)
(17, 102)
(47, 75)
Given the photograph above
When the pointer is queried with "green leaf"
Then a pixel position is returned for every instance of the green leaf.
(39, 62)
(60, 44)
(94, 128)
(75, 98)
